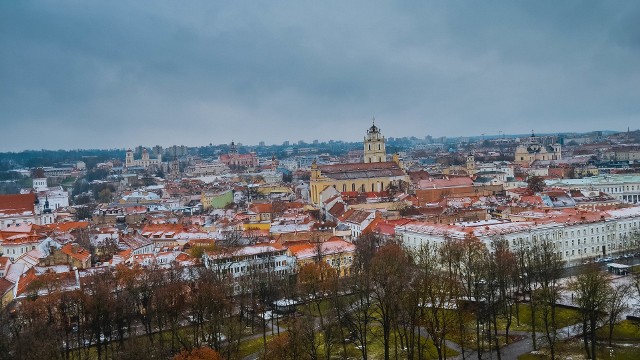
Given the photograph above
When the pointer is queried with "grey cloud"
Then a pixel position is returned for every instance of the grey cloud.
(107, 74)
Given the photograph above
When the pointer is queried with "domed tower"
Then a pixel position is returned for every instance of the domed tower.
(39, 180)
(145, 154)
(374, 150)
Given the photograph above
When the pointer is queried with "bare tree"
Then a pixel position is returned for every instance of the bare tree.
(548, 266)
(390, 275)
(591, 289)
(618, 303)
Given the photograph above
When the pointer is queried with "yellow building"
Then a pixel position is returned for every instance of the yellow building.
(337, 253)
(374, 149)
(532, 150)
(374, 175)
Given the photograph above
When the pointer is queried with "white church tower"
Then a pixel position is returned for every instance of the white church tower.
(374, 150)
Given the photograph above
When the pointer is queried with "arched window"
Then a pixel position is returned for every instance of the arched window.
(344, 187)
(369, 146)
(379, 146)
(372, 188)
(353, 187)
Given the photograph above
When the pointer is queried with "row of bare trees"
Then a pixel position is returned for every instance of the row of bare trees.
(125, 314)
(403, 301)
(461, 290)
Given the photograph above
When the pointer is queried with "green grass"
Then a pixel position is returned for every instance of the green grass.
(248, 347)
(376, 348)
(624, 331)
(312, 309)
(574, 349)
(531, 357)
(564, 317)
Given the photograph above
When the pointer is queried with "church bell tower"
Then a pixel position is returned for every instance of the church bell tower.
(374, 150)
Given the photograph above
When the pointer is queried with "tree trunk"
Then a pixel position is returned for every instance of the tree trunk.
(585, 338)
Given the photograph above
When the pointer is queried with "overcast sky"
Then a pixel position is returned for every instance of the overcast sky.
(113, 74)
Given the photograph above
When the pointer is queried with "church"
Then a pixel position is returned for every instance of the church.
(374, 174)
(235, 160)
(532, 150)
(145, 162)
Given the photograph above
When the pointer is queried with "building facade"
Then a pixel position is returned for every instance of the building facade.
(234, 160)
(532, 149)
(623, 187)
(374, 149)
(576, 236)
(145, 162)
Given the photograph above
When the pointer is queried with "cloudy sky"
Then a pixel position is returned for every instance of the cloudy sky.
(112, 74)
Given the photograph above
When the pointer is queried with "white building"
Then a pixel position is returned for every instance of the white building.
(53, 198)
(577, 236)
(22, 210)
(144, 162)
(624, 187)
(252, 260)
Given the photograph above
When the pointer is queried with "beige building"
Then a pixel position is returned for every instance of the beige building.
(532, 149)
(144, 162)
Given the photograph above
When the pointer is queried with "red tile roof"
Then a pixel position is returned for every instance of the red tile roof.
(361, 170)
(17, 203)
(76, 252)
(68, 226)
(260, 207)
(25, 280)
(5, 286)
(445, 183)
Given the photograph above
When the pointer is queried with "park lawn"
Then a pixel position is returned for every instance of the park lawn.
(574, 349)
(312, 309)
(251, 346)
(564, 316)
(376, 347)
(624, 331)
(532, 357)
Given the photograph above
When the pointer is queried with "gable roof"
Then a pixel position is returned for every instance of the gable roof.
(17, 203)
(77, 252)
(355, 216)
(361, 170)
(445, 183)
